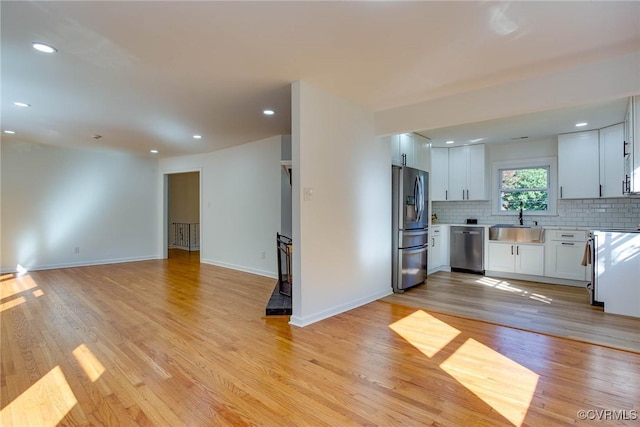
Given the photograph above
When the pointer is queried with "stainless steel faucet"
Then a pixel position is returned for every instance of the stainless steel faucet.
(520, 216)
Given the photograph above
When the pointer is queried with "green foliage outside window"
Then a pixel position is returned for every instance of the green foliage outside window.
(529, 186)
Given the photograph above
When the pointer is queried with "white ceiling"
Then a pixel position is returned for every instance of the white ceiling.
(151, 74)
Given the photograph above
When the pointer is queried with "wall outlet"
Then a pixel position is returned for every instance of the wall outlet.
(308, 194)
(76, 250)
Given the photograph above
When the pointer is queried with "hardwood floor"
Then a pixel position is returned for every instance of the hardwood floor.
(173, 343)
(562, 311)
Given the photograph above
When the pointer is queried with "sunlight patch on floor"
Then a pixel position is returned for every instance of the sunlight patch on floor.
(43, 404)
(503, 285)
(13, 303)
(500, 382)
(425, 332)
(503, 384)
(90, 364)
(16, 285)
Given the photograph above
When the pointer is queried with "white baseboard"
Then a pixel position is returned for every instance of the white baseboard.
(308, 320)
(245, 269)
(83, 263)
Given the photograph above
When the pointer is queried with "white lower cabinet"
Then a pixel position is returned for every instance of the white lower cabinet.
(438, 248)
(519, 258)
(564, 253)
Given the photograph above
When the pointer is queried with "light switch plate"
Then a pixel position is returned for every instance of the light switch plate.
(308, 194)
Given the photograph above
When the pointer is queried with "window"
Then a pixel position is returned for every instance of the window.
(526, 188)
(531, 182)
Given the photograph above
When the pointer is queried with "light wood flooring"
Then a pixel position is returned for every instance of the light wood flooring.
(177, 343)
(558, 310)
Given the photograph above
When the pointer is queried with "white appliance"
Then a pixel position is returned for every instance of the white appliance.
(410, 232)
(616, 271)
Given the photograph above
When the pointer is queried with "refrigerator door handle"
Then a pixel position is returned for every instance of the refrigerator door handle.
(416, 191)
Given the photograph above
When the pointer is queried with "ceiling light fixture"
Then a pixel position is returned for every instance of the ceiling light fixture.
(449, 142)
(21, 104)
(197, 136)
(579, 125)
(96, 136)
(153, 151)
(473, 141)
(10, 132)
(42, 47)
(268, 112)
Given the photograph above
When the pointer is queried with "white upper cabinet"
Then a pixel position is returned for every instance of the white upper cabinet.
(467, 180)
(612, 161)
(632, 147)
(408, 149)
(591, 163)
(578, 165)
(439, 176)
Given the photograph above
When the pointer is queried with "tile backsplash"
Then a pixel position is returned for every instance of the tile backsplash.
(589, 213)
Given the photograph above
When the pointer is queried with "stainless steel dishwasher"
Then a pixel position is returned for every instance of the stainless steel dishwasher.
(467, 249)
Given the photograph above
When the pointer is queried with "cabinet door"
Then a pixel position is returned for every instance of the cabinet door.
(421, 151)
(435, 252)
(396, 152)
(476, 178)
(611, 160)
(439, 176)
(634, 141)
(502, 257)
(564, 260)
(578, 165)
(407, 147)
(530, 259)
(458, 169)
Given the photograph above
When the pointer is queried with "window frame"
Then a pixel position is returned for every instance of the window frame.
(541, 162)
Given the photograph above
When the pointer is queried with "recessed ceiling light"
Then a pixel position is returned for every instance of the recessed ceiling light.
(449, 142)
(10, 132)
(197, 136)
(43, 47)
(579, 125)
(21, 104)
(153, 151)
(268, 112)
(96, 136)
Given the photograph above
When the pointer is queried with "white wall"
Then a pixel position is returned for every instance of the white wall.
(342, 237)
(240, 204)
(57, 199)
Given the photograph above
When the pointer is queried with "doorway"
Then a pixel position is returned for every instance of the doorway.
(183, 213)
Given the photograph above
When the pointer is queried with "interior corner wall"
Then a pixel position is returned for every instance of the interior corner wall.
(342, 229)
(64, 207)
(239, 204)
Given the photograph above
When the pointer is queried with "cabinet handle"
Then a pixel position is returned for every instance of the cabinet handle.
(462, 194)
(511, 249)
(561, 191)
(567, 235)
(467, 194)
(404, 159)
(433, 242)
(568, 244)
(600, 190)
(517, 250)
(446, 194)
(624, 149)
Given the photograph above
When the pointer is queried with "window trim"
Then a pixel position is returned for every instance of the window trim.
(548, 162)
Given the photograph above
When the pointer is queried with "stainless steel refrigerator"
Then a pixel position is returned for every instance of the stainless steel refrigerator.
(410, 227)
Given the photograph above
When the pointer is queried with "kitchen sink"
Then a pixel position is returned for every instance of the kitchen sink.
(516, 233)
